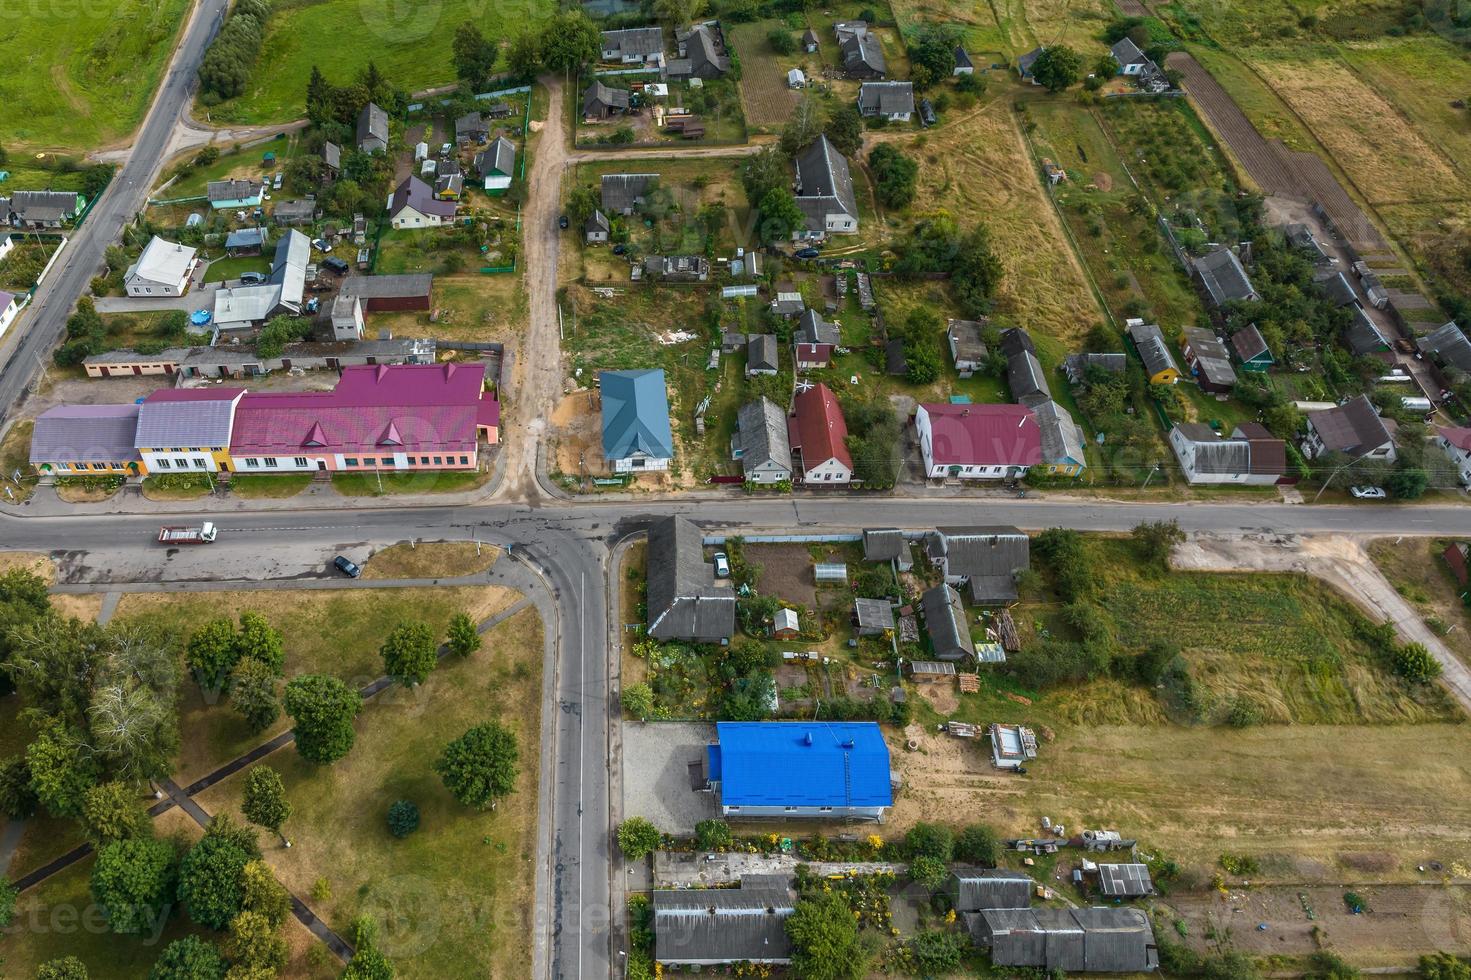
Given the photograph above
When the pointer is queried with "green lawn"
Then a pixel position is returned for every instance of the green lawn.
(374, 485)
(82, 75)
(254, 486)
(244, 164)
(177, 486)
(406, 42)
(230, 268)
(455, 897)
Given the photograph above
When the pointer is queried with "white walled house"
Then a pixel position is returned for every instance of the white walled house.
(1353, 428)
(1456, 444)
(824, 188)
(821, 435)
(9, 310)
(977, 442)
(162, 270)
(1251, 456)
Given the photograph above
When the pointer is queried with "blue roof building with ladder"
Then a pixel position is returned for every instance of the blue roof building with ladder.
(826, 770)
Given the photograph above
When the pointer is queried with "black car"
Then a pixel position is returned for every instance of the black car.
(620, 249)
(808, 253)
(252, 278)
(562, 222)
(336, 265)
(346, 567)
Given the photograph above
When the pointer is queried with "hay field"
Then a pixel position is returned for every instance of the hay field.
(1389, 159)
(978, 166)
(1420, 75)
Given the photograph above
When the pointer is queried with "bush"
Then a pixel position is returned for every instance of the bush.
(1444, 966)
(637, 838)
(929, 840)
(781, 41)
(978, 844)
(1240, 864)
(1416, 664)
(403, 818)
(713, 835)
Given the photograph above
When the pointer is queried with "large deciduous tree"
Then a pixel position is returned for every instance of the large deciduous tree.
(825, 943)
(474, 56)
(409, 653)
(212, 874)
(479, 767)
(190, 958)
(1057, 67)
(323, 709)
(253, 693)
(265, 803)
(134, 880)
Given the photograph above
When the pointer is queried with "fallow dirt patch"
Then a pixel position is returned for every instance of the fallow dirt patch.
(577, 439)
(786, 572)
(431, 559)
(30, 561)
(84, 607)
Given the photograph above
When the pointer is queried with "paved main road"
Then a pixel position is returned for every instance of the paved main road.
(44, 322)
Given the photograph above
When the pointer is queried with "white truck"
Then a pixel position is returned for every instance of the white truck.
(188, 535)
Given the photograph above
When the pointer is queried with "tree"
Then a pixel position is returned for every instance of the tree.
(1229, 966)
(523, 57)
(581, 203)
(845, 129)
(323, 709)
(780, 215)
(254, 944)
(1408, 483)
(1444, 966)
(782, 41)
(409, 653)
(975, 273)
(479, 767)
(403, 818)
(1156, 541)
(366, 963)
(977, 844)
(259, 640)
(569, 41)
(678, 13)
(930, 840)
(1416, 664)
(894, 174)
(212, 874)
(211, 654)
(713, 834)
(933, 49)
(637, 838)
(62, 768)
(265, 803)
(825, 944)
(52, 663)
(938, 953)
(134, 881)
(319, 98)
(190, 958)
(17, 795)
(463, 638)
(264, 894)
(253, 693)
(474, 56)
(804, 127)
(8, 896)
(927, 871)
(1324, 965)
(1057, 67)
(111, 812)
(638, 701)
(65, 968)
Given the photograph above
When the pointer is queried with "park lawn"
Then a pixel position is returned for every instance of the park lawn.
(222, 269)
(82, 76)
(1417, 571)
(258, 486)
(430, 559)
(978, 165)
(427, 481)
(456, 897)
(335, 632)
(406, 43)
(471, 306)
(1383, 153)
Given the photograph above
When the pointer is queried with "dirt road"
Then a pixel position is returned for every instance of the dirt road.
(1341, 562)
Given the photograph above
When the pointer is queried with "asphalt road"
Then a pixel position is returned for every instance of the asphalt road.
(45, 321)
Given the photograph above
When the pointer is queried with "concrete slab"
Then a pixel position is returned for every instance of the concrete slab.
(656, 773)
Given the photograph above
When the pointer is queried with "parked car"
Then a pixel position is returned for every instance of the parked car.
(562, 222)
(321, 245)
(336, 265)
(252, 278)
(346, 567)
(808, 253)
(1368, 493)
(620, 249)
(722, 565)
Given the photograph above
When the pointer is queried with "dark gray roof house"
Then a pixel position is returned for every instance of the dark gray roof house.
(632, 43)
(873, 616)
(986, 558)
(1027, 380)
(944, 618)
(1223, 277)
(1354, 428)
(1362, 336)
(1062, 439)
(293, 212)
(762, 354)
(684, 602)
(967, 349)
(601, 101)
(1153, 351)
(762, 440)
(1448, 343)
(893, 100)
(1337, 289)
(1097, 940)
(623, 193)
(861, 50)
(883, 544)
(472, 127)
(963, 62)
(813, 329)
(372, 129)
(499, 159)
(1124, 880)
(332, 156)
(972, 889)
(1025, 62)
(1015, 340)
(1076, 366)
(824, 185)
(701, 53)
(597, 226)
(715, 926)
(1127, 53)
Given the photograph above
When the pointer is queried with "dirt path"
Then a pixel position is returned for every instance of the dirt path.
(1343, 564)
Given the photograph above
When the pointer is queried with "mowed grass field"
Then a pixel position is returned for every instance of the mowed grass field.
(81, 75)
(977, 166)
(456, 897)
(1013, 27)
(409, 42)
(1383, 152)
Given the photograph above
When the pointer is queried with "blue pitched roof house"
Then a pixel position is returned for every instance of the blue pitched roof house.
(636, 434)
(827, 770)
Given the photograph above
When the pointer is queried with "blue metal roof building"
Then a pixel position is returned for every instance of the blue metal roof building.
(829, 770)
(636, 433)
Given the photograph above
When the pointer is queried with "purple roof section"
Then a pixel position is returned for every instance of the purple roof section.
(187, 418)
(5, 300)
(374, 410)
(85, 434)
(418, 195)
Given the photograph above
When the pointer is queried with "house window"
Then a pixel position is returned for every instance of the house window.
(826, 809)
(300, 461)
(351, 461)
(790, 809)
(252, 463)
(438, 461)
(464, 460)
(386, 461)
(180, 463)
(270, 462)
(198, 463)
(163, 464)
(423, 460)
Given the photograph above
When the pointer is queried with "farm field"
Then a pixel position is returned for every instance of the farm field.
(1268, 113)
(406, 42)
(82, 75)
(767, 100)
(327, 632)
(1388, 158)
(979, 165)
(455, 897)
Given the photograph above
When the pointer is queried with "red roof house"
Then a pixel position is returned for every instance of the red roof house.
(978, 442)
(820, 437)
(395, 417)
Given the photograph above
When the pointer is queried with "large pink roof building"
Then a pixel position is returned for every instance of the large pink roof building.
(384, 417)
(977, 442)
